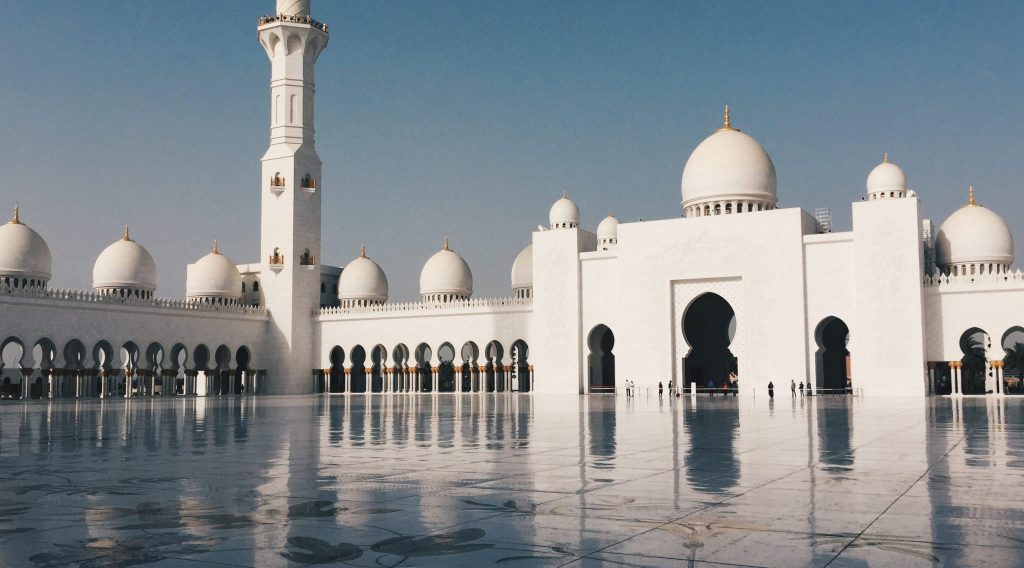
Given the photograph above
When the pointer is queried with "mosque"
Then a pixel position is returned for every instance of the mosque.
(734, 291)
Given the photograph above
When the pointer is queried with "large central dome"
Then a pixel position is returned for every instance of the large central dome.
(729, 172)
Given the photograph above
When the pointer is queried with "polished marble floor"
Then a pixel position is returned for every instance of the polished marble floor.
(448, 480)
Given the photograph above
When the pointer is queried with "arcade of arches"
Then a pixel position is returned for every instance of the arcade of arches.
(490, 369)
(105, 370)
(987, 365)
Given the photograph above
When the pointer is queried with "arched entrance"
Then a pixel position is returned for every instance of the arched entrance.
(336, 377)
(521, 379)
(709, 326)
(357, 377)
(601, 360)
(832, 359)
(974, 344)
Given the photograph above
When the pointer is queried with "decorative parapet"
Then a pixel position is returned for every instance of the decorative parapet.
(293, 20)
(469, 305)
(91, 297)
(1013, 280)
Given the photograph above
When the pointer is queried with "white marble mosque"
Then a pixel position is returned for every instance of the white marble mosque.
(729, 291)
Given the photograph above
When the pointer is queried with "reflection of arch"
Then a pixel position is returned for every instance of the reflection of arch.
(378, 358)
(711, 462)
(520, 352)
(423, 371)
(357, 379)
(709, 324)
(336, 380)
(601, 360)
(974, 344)
(446, 368)
(832, 357)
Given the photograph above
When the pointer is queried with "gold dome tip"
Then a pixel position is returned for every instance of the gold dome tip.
(362, 251)
(726, 122)
(446, 244)
(216, 247)
(885, 157)
(17, 216)
(127, 236)
(565, 194)
(970, 196)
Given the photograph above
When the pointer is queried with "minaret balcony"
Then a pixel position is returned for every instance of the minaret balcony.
(276, 262)
(308, 262)
(266, 20)
(308, 185)
(277, 184)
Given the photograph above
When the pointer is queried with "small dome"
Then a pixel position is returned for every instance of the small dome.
(23, 253)
(522, 269)
(887, 179)
(974, 235)
(362, 279)
(214, 276)
(608, 230)
(564, 214)
(125, 265)
(728, 166)
(446, 274)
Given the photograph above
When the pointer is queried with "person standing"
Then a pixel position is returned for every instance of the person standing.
(801, 388)
(659, 389)
(771, 390)
(792, 387)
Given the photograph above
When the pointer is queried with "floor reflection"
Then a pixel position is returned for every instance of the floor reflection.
(383, 480)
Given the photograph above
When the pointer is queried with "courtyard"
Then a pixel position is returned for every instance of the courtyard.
(520, 480)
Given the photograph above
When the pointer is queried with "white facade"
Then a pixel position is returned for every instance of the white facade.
(737, 293)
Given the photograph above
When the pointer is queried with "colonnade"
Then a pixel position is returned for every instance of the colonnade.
(411, 379)
(956, 377)
(56, 383)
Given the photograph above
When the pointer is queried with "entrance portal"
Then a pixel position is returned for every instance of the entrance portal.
(601, 361)
(832, 357)
(709, 326)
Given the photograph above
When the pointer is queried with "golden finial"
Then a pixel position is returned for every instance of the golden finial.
(127, 236)
(565, 194)
(970, 196)
(216, 247)
(446, 244)
(885, 158)
(362, 251)
(610, 213)
(726, 122)
(17, 216)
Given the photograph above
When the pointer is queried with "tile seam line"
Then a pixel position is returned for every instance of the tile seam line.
(900, 496)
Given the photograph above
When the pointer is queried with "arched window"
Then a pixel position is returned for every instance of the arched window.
(243, 287)
(323, 287)
(255, 286)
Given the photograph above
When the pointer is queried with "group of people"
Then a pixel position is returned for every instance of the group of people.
(731, 385)
(792, 389)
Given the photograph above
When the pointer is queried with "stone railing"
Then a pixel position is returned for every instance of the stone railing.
(90, 297)
(472, 304)
(293, 20)
(1012, 280)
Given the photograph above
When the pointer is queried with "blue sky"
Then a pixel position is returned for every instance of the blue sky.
(467, 119)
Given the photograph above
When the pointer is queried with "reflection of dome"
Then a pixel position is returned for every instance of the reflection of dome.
(887, 180)
(445, 277)
(522, 273)
(564, 214)
(974, 240)
(728, 172)
(608, 232)
(125, 266)
(362, 283)
(25, 259)
(214, 277)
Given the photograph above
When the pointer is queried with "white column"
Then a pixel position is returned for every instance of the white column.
(348, 380)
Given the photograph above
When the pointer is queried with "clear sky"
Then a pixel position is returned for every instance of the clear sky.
(467, 119)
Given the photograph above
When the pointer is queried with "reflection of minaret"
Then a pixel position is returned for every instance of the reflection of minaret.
(711, 464)
(942, 426)
(835, 430)
(290, 188)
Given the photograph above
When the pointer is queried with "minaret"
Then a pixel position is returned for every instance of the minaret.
(290, 187)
